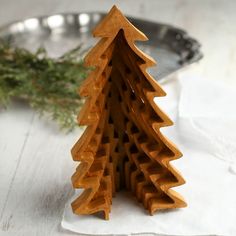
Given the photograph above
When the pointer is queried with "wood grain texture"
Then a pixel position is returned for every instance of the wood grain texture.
(34, 185)
(122, 146)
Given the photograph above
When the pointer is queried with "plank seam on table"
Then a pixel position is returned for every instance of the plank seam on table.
(17, 165)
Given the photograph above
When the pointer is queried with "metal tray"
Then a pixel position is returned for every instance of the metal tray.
(171, 47)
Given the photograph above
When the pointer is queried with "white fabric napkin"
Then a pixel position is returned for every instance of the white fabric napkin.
(205, 131)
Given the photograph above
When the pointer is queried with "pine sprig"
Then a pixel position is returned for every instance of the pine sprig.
(49, 85)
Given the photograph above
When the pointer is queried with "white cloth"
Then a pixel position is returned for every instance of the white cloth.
(205, 131)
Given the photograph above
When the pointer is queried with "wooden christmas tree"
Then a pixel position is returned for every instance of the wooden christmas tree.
(122, 146)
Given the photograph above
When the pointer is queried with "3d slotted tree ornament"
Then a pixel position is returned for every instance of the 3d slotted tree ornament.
(122, 146)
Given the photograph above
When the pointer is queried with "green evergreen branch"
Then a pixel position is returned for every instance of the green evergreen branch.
(49, 85)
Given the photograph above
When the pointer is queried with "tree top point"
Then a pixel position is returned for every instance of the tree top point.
(115, 21)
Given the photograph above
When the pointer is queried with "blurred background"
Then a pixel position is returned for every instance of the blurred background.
(211, 22)
(35, 161)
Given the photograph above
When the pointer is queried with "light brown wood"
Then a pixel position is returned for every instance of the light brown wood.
(122, 146)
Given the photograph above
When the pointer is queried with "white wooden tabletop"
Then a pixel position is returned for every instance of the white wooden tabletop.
(35, 161)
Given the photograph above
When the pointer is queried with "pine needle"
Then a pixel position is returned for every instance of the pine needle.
(49, 85)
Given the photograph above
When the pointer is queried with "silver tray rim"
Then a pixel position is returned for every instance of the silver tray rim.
(187, 47)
